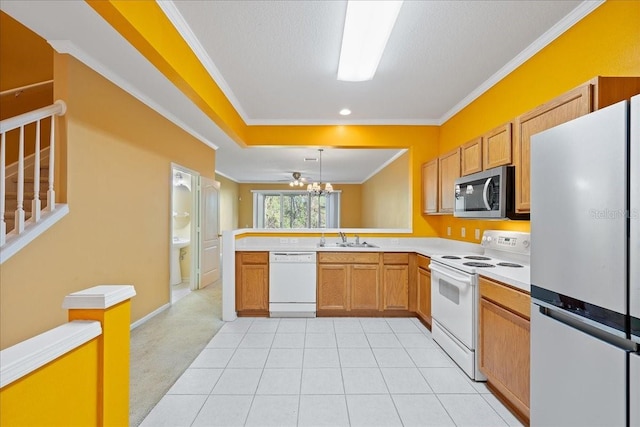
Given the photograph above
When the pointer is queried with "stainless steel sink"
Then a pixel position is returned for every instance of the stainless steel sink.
(348, 245)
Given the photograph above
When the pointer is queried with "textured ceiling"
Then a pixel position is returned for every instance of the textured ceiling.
(277, 63)
(279, 59)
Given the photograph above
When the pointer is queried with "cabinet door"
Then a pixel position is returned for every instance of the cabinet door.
(365, 289)
(449, 171)
(496, 145)
(567, 107)
(430, 187)
(471, 157)
(504, 353)
(332, 287)
(254, 289)
(424, 294)
(396, 287)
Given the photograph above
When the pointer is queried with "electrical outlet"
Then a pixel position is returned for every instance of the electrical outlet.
(394, 242)
(293, 240)
(477, 234)
(448, 231)
(284, 240)
(463, 232)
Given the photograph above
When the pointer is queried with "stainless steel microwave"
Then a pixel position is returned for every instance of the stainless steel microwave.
(488, 194)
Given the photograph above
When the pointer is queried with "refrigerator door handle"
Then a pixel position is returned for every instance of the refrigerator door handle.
(583, 325)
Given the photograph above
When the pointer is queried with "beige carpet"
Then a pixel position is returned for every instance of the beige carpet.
(163, 347)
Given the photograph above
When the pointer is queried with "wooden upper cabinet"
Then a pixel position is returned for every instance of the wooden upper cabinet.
(598, 93)
(496, 146)
(471, 154)
(449, 171)
(430, 187)
(569, 106)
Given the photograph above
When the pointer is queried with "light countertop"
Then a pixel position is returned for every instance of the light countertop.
(430, 247)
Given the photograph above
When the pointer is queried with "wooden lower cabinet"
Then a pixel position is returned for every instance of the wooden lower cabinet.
(395, 281)
(364, 287)
(348, 281)
(423, 306)
(504, 342)
(332, 287)
(252, 283)
(396, 287)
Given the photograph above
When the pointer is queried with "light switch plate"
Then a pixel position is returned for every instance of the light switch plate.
(293, 240)
(448, 231)
(463, 232)
(477, 234)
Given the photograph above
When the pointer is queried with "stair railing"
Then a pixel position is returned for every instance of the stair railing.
(58, 108)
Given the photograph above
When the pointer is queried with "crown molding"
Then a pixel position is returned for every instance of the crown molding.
(70, 48)
(582, 10)
(175, 17)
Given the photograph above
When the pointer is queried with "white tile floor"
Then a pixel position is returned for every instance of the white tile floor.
(326, 372)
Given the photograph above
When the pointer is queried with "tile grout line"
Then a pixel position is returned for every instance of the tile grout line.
(223, 370)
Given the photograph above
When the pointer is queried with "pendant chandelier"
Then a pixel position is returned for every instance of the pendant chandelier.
(316, 187)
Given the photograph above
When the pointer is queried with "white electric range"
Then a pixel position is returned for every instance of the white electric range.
(455, 296)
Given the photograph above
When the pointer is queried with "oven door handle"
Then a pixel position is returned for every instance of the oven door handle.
(485, 192)
(459, 278)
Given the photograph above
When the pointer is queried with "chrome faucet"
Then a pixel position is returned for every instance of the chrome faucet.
(357, 240)
(343, 236)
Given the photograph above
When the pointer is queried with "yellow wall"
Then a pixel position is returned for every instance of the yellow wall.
(119, 154)
(606, 42)
(229, 203)
(386, 196)
(25, 59)
(61, 393)
(350, 203)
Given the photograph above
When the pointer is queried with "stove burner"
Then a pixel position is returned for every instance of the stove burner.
(509, 264)
(478, 257)
(450, 257)
(478, 264)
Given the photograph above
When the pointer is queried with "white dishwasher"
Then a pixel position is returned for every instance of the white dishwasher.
(292, 284)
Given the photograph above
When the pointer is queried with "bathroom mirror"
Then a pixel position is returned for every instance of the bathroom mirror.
(181, 205)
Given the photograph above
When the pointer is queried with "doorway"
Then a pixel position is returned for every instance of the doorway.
(184, 214)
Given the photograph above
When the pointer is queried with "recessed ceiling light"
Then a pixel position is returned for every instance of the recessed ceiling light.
(345, 112)
(367, 27)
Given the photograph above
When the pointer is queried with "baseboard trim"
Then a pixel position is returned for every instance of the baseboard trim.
(149, 316)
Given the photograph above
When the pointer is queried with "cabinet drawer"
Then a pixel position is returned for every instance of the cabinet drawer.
(423, 262)
(348, 257)
(395, 258)
(254, 257)
(517, 301)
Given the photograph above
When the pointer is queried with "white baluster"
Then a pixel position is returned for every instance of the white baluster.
(19, 218)
(35, 203)
(51, 194)
(3, 193)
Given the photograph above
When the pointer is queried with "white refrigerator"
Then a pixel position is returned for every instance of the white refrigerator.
(585, 270)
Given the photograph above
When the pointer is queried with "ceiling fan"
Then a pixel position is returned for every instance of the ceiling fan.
(297, 180)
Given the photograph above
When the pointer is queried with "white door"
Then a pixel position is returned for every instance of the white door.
(209, 232)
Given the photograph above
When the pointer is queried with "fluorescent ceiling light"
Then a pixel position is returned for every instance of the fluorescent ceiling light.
(366, 30)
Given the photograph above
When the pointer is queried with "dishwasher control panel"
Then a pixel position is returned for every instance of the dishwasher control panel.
(293, 257)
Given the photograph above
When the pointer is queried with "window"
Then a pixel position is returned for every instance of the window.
(295, 209)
